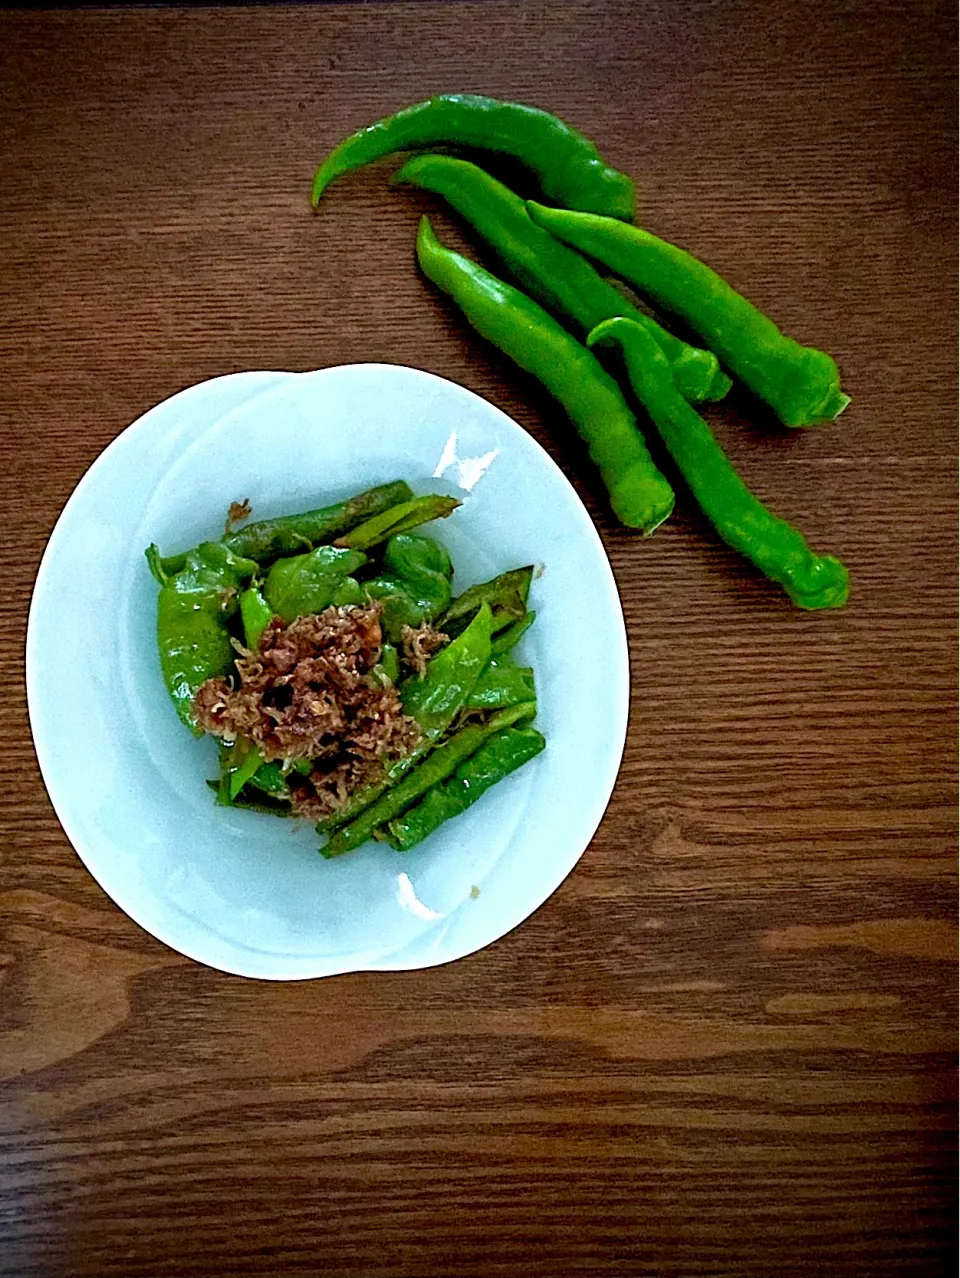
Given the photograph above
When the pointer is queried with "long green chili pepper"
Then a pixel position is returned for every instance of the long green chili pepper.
(639, 494)
(193, 609)
(800, 383)
(398, 519)
(776, 547)
(268, 539)
(435, 767)
(505, 596)
(305, 584)
(568, 166)
(434, 702)
(502, 754)
(556, 276)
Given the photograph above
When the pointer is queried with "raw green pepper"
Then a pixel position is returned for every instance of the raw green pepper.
(433, 701)
(639, 494)
(193, 609)
(556, 276)
(268, 539)
(305, 584)
(801, 384)
(776, 547)
(435, 767)
(568, 166)
(502, 754)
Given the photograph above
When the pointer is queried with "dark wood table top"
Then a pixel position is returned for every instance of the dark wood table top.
(725, 1046)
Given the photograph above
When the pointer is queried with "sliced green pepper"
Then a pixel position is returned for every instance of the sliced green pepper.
(435, 767)
(305, 584)
(502, 754)
(193, 609)
(256, 614)
(399, 519)
(433, 701)
(501, 684)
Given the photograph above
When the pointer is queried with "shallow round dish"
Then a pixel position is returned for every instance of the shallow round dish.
(248, 893)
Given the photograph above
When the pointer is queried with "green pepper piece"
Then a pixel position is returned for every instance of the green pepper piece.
(438, 765)
(501, 684)
(502, 754)
(639, 494)
(416, 586)
(567, 165)
(800, 383)
(554, 275)
(510, 637)
(193, 608)
(409, 514)
(434, 702)
(389, 662)
(349, 592)
(271, 779)
(268, 539)
(776, 547)
(265, 803)
(505, 595)
(256, 614)
(305, 584)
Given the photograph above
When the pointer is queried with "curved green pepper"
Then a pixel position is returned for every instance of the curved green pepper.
(193, 609)
(568, 166)
(268, 539)
(776, 547)
(502, 754)
(305, 584)
(639, 494)
(559, 278)
(505, 595)
(800, 383)
(501, 684)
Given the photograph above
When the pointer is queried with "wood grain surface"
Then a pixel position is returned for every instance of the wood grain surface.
(726, 1045)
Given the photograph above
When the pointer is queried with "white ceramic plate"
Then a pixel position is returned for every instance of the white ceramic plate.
(249, 893)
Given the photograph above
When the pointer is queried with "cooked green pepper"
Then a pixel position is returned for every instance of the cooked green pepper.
(568, 166)
(556, 276)
(776, 547)
(501, 684)
(433, 701)
(508, 638)
(502, 754)
(505, 596)
(639, 494)
(801, 384)
(305, 584)
(415, 586)
(435, 767)
(268, 539)
(256, 614)
(398, 519)
(193, 609)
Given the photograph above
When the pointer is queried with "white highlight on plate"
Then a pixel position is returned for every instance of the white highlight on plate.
(407, 896)
(469, 470)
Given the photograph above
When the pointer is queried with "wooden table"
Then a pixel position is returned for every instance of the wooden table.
(725, 1046)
